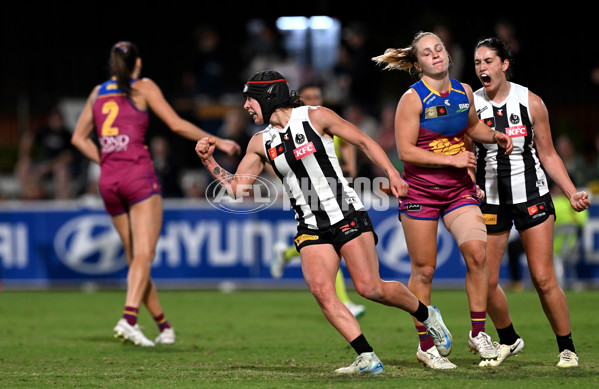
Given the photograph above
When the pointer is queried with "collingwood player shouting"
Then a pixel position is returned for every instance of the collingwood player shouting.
(517, 192)
(332, 222)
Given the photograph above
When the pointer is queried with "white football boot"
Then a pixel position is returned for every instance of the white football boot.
(438, 331)
(366, 363)
(278, 263)
(355, 309)
(130, 333)
(433, 359)
(167, 336)
(505, 351)
(483, 345)
(567, 359)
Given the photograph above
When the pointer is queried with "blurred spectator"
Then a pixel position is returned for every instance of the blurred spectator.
(455, 50)
(311, 94)
(336, 89)
(184, 97)
(506, 31)
(568, 231)
(369, 125)
(236, 126)
(364, 77)
(515, 250)
(574, 163)
(359, 117)
(194, 183)
(166, 166)
(45, 163)
(386, 136)
(263, 48)
(208, 65)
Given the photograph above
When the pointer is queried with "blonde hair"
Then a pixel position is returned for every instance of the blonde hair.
(402, 59)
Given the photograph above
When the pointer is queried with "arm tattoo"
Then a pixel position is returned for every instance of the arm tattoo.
(227, 177)
(216, 171)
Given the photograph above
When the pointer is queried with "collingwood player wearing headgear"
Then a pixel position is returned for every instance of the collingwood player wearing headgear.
(332, 222)
(517, 193)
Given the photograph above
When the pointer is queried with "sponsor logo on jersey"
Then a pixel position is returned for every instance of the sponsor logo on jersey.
(489, 122)
(537, 210)
(111, 144)
(434, 112)
(411, 207)
(349, 227)
(304, 150)
(490, 219)
(463, 107)
(516, 131)
(274, 152)
(304, 237)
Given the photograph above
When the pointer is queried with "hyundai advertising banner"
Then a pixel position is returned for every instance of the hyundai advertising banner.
(45, 244)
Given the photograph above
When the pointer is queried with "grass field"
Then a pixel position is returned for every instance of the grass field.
(268, 339)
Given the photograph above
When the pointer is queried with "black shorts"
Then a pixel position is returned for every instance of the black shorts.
(338, 234)
(499, 218)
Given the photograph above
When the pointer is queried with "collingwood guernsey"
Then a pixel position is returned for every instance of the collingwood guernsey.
(307, 164)
(514, 178)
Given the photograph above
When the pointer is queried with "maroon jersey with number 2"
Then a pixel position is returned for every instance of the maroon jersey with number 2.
(126, 170)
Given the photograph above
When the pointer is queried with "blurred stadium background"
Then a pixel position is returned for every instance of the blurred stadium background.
(200, 54)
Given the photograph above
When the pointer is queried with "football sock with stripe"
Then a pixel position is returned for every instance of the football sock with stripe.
(426, 340)
(161, 322)
(478, 322)
(130, 314)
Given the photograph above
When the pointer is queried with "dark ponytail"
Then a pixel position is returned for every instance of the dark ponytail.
(122, 62)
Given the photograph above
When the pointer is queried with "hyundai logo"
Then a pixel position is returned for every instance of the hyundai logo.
(90, 245)
(392, 249)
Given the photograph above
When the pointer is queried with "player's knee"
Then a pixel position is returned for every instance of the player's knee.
(474, 257)
(423, 274)
(544, 284)
(321, 293)
(369, 290)
(493, 284)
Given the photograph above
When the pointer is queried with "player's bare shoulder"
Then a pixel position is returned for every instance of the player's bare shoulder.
(256, 144)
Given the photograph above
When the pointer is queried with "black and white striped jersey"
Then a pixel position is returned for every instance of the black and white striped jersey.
(514, 178)
(307, 164)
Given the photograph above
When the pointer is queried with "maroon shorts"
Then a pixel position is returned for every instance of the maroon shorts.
(430, 203)
(120, 194)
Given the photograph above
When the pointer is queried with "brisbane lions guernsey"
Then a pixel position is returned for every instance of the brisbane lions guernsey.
(514, 178)
(307, 164)
(121, 129)
(443, 123)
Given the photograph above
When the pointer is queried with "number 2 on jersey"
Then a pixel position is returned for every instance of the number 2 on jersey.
(112, 109)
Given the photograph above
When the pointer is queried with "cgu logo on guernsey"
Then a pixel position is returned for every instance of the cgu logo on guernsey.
(257, 195)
